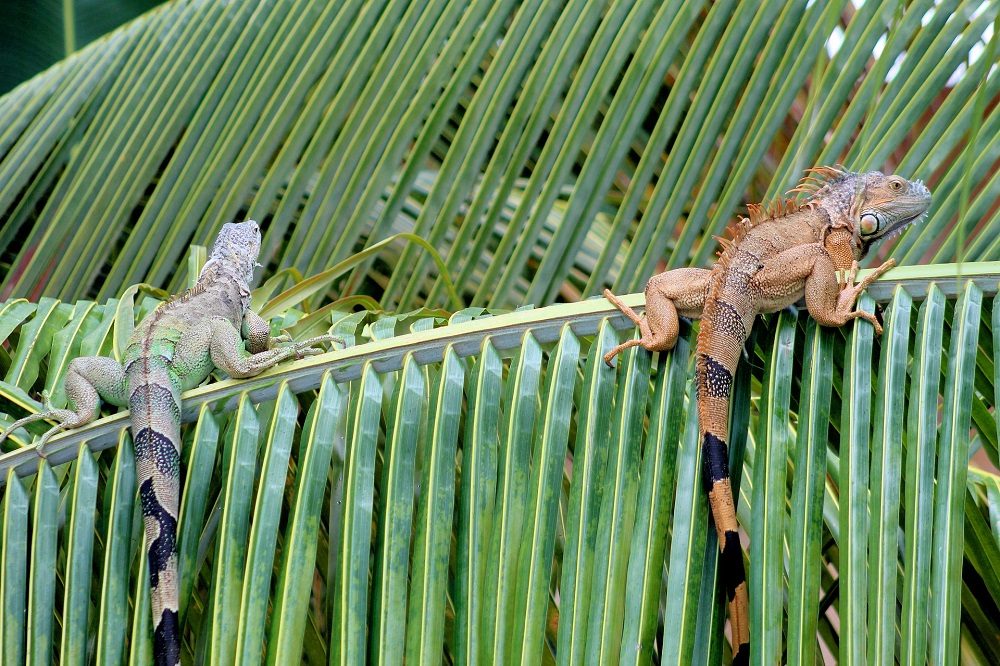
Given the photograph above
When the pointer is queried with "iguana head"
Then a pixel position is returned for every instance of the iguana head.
(875, 205)
(235, 250)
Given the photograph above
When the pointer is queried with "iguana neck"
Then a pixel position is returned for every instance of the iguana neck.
(223, 272)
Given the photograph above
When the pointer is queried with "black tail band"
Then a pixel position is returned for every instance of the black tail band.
(714, 460)
(166, 633)
(734, 573)
(742, 656)
(165, 544)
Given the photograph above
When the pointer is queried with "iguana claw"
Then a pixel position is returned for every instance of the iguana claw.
(849, 292)
(61, 416)
(309, 347)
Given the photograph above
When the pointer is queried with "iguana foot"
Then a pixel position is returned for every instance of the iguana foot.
(44, 440)
(849, 292)
(620, 304)
(319, 339)
(64, 419)
(619, 349)
(309, 347)
(631, 314)
(657, 329)
(31, 418)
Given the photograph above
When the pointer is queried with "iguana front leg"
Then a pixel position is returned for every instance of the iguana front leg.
(810, 268)
(849, 291)
(257, 332)
(677, 292)
(89, 380)
(227, 351)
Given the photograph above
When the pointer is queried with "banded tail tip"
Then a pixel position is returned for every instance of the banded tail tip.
(167, 640)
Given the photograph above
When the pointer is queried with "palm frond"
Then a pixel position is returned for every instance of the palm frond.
(487, 488)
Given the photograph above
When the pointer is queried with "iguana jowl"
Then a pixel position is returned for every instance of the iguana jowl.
(173, 349)
(784, 251)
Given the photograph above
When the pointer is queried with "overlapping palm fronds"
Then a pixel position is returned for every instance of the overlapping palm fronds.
(462, 487)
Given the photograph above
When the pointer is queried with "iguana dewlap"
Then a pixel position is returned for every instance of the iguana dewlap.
(785, 251)
(173, 349)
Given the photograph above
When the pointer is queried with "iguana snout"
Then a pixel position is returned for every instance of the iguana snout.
(888, 204)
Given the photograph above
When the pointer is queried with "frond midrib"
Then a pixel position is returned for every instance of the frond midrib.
(505, 333)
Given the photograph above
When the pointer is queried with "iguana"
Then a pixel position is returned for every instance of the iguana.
(174, 349)
(782, 252)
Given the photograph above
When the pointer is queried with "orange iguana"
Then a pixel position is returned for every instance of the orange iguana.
(784, 251)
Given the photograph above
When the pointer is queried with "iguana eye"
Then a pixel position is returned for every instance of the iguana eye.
(869, 224)
(895, 184)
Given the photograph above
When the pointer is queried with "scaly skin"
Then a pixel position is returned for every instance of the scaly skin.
(174, 349)
(782, 253)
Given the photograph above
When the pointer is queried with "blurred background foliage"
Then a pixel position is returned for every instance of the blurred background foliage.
(542, 150)
(545, 148)
(35, 34)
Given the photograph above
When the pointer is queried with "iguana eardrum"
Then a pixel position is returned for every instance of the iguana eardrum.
(173, 349)
(784, 251)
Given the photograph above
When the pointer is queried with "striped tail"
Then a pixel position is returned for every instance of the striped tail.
(724, 329)
(154, 402)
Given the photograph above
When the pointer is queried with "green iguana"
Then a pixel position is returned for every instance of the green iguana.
(782, 252)
(173, 349)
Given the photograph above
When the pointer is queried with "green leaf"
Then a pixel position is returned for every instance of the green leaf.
(324, 425)
(585, 498)
(119, 497)
(433, 526)
(520, 407)
(649, 539)
(79, 560)
(887, 454)
(479, 480)
(351, 588)
(200, 461)
(312, 285)
(34, 343)
(854, 475)
(231, 551)
(41, 587)
(617, 514)
(952, 465)
(805, 539)
(767, 526)
(13, 576)
(266, 516)
(689, 529)
(562, 451)
(390, 584)
(549, 455)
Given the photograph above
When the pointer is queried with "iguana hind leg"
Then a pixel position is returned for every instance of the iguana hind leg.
(89, 379)
(677, 292)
